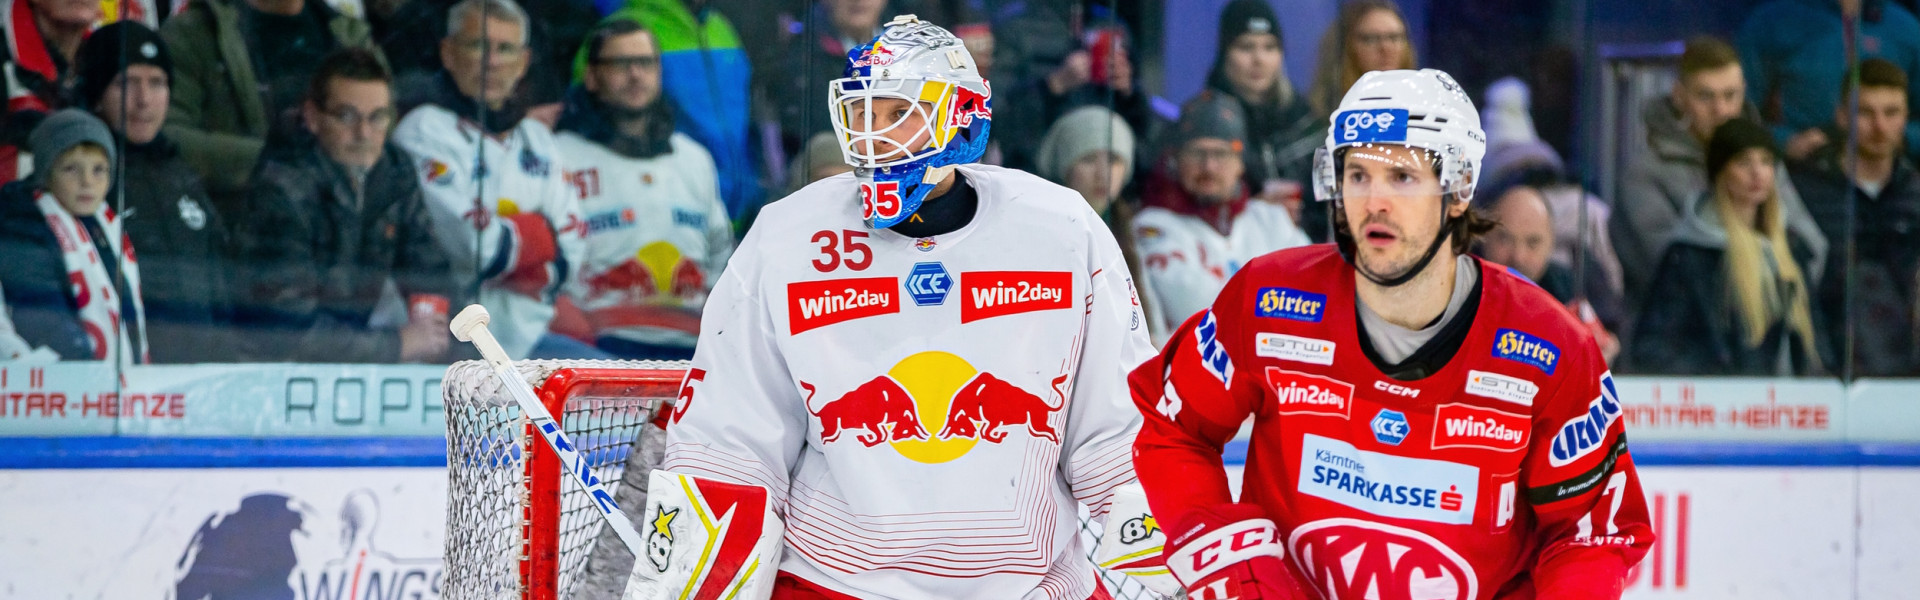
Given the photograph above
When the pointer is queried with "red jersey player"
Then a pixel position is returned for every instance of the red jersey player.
(1425, 425)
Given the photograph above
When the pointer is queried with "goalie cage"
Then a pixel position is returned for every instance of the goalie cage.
(513, 532)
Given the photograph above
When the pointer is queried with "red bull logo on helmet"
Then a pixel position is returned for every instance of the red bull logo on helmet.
(967, 106)
(928, 389)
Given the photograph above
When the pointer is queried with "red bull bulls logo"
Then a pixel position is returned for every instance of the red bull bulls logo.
(989, 403)
(970, 406)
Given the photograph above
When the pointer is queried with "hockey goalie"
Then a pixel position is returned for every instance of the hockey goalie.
(909, 377)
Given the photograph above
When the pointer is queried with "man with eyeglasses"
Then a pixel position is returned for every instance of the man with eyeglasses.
(181, 237)
(492, 178)
(242, 68)
(334, 218)
(657, 232)
(1200, 224)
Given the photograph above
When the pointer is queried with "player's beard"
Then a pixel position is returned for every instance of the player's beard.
(1394, 261)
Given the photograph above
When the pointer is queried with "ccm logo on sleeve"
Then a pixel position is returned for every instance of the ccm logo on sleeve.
(815, 304)
(989, 294)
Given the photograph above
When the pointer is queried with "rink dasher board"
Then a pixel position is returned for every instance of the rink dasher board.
(311, 400)
(1766, 528)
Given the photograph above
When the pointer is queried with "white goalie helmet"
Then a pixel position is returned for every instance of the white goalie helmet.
(1422, 109)
(930, 69)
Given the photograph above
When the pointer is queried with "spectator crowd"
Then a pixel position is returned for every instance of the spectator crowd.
(193, 181)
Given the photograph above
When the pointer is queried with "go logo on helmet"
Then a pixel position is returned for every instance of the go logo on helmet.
(1373, 125)
(880, 198)
(1351, 558)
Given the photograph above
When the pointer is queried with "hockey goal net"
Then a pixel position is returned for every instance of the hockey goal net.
(514, 529)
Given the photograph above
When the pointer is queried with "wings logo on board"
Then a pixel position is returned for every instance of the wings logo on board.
(815, 304)
(989, 294)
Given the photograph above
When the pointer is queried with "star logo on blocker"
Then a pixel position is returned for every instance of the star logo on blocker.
(663, 522)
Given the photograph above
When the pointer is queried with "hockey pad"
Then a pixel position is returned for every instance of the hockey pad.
(706, 540)
(1132, 542)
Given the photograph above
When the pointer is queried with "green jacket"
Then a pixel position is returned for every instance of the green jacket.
(217, 114)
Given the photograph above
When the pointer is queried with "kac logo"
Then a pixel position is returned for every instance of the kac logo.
(928, 284)
(1390, 427)
(1381, 125)
(1287, 303)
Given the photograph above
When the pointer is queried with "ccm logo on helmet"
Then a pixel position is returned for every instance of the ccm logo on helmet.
(1372, 125)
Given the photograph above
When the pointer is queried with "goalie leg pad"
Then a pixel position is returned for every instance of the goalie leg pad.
(706, 539)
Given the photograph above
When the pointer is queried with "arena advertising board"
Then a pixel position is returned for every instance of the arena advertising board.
(95, 399)
(304, 534)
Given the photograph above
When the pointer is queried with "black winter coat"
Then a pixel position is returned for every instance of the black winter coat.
(182, 246)
(317, 257)
(38, 292)
(1886, 272)
(1687, 327)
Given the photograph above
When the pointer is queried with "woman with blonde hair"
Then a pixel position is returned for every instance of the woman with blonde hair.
(1370, 35)
(1731, 295)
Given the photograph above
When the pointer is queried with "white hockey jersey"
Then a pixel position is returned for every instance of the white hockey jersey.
(1187, 261)
(473, 212)
(657, 234)
(927, 412)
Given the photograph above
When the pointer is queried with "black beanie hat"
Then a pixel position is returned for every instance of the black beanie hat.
(1733, 137)
(99, 60)
(1247, 16)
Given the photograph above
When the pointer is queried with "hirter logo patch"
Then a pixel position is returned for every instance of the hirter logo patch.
(989, 294)
(815, 304)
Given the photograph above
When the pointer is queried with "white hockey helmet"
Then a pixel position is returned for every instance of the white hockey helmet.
(1421, 109)
(930, 68)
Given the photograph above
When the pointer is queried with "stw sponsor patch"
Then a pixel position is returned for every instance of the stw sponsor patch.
(815, 304)
(1501, 387)
(1296, 393)
(1388, 485)
(989, 294)
(1469, 426)
(1293, 347)
(1522, 347)
(1288, 303)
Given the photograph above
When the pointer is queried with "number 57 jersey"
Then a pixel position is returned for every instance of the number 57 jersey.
(1503, 474)
(927, 413)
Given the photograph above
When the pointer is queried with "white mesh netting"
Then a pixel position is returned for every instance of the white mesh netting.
(486, 471)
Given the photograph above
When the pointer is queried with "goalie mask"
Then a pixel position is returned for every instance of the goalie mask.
(911, 106)
(1409, 120)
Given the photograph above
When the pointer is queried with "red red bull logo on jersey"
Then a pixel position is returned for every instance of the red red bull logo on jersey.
(986, 406)
(815, 304)
(936, 389)
(1469, 426)
(881, 409)
(1296, 393)
(989, 294)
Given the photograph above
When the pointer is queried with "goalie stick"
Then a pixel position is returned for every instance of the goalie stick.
(471, 326)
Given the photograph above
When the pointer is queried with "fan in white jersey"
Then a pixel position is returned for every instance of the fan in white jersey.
(924, 361)
(656, 230)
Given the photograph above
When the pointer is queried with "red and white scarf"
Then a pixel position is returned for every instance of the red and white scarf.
(92, 288)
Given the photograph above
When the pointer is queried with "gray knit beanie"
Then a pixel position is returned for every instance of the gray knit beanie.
(1082, 131)
(60, 132)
